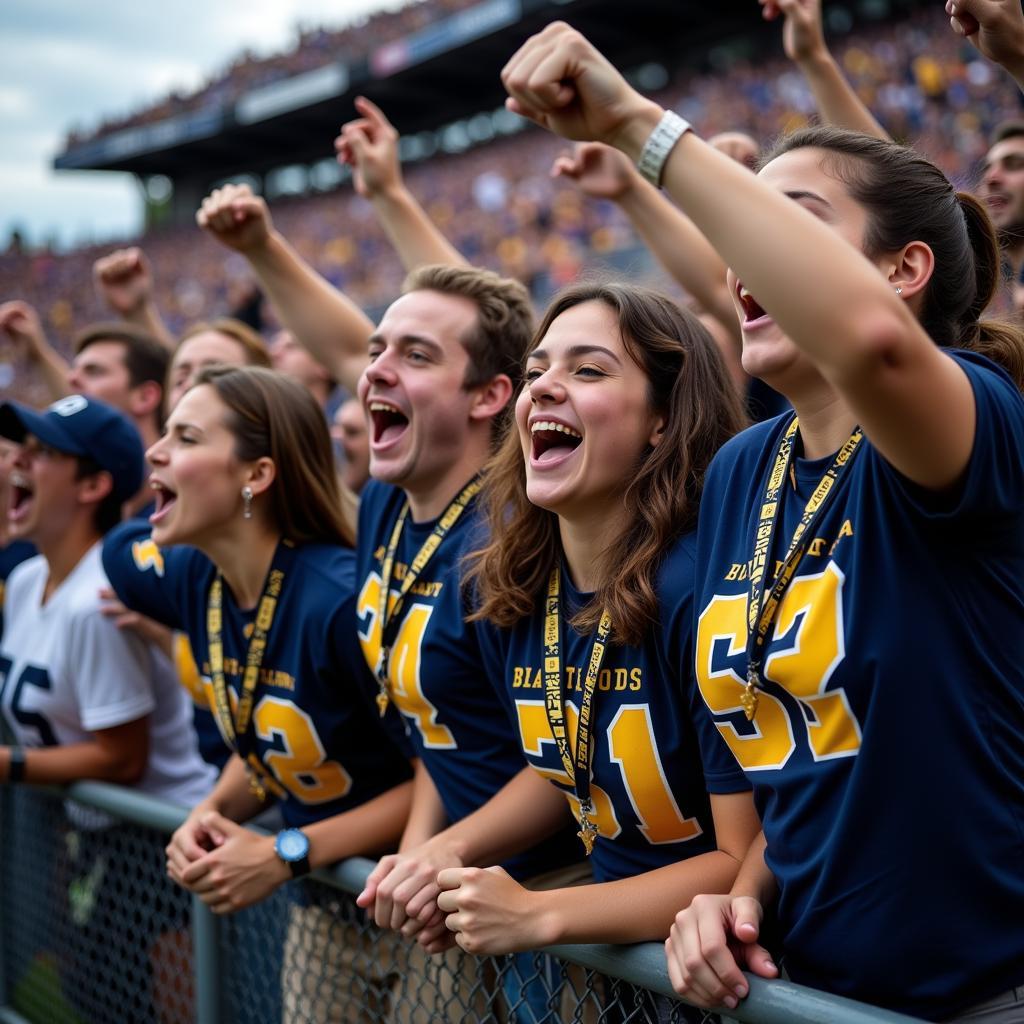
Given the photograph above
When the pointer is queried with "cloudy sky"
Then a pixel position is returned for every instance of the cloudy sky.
(66, 63)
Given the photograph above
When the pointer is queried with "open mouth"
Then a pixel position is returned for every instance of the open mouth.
(752, 309)
(21, 498)
(552, 441)
(164, 499)
(389, 422)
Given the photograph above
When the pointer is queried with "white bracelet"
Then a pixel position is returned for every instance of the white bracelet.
(668, 131)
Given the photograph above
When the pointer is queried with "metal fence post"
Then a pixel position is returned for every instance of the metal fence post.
(5, 833)
(206, 931)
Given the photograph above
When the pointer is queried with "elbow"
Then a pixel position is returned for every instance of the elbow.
(128, 768)
(876, 343)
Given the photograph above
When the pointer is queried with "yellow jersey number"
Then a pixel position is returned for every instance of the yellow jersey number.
(803, 669)
(302, 767)
(632, 749)
(404, 663)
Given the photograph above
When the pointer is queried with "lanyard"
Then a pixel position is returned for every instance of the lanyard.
(390, 619)
(237, 728)
(576, 764)
(761, 616)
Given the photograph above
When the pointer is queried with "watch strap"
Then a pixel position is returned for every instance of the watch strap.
(667, 132)
(299, 867)
(16, 765)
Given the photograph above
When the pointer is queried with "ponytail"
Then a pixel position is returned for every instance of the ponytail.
(1002, 341)
(908, 198)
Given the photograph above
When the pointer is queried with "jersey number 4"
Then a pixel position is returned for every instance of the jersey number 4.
(404, 663)
(806, 647)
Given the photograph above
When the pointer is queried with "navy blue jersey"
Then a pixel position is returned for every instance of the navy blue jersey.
(455, 722)
(650, 801)
(764, 402)
(316, 734)
(11, 556)
(886, 751)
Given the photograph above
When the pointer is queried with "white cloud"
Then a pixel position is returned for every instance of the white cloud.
(66, 64)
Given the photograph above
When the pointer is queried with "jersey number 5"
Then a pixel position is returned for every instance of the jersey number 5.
(30, 676)
(809, 644)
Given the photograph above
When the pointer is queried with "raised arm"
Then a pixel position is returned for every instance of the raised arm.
(604, 173)
(369, 145)
(124, 281)
(804, 41)
(995, 28)
(913, 401)
(332, 327)
(21, 327)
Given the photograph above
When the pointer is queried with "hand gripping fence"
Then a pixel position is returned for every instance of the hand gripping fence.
(93, 932)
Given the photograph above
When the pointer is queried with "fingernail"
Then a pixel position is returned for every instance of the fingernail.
(730, 1002)
(771, 964)
(740, 990)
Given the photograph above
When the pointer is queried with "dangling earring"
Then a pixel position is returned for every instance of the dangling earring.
(899, 289)
(247, 502)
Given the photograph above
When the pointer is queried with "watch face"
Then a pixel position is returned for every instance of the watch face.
(292, 845)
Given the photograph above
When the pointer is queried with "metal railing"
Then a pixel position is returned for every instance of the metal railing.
(91, 930)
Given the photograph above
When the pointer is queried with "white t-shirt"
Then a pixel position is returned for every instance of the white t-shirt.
(67, 671)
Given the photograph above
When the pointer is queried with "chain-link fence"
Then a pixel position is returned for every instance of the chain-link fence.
(93, 932)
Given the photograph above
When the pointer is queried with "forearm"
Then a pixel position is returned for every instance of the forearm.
(53, 369)
(637, 909)
(682, 250)
(75, 762)
(836, 99)
(775, 247)
(415, 237)
(147, 316)
(754, 878)
(332, 327)
(232, 796)
(370, 828)
(427, 815)
(525, 811)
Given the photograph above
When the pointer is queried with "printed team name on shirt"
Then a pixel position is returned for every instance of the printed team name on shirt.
(317, 743)
(267, 677)
(818, 547)
(531, 677)
(421, 588)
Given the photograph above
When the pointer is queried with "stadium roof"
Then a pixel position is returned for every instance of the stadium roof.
(444, 72)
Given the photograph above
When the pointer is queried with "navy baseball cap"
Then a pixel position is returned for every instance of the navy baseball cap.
(82, 426)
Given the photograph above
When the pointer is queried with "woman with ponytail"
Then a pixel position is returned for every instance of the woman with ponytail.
(860, 561)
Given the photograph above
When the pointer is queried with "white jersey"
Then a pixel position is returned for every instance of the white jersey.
(66, 671)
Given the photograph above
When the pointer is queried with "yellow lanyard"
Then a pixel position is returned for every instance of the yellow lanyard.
(390, 618)
(576, 764)
(761, 616)
(237, 728)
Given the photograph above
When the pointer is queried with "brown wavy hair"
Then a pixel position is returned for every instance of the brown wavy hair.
(688, 385)
(272, 416)
(907, 198)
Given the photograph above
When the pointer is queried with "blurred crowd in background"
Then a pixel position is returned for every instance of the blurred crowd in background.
(499, 204)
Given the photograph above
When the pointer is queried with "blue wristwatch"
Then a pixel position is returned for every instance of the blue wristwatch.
(292, 846)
